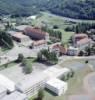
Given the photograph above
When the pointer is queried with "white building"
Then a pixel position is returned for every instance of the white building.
(3, 91)
(56, 71)
(7, 83)
(32, 85)
(32, 17)
(72, 51)
(15, 96)
(57, 86)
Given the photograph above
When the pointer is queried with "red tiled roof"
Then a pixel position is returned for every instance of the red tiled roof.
(40, 42)
(83, 41)
(34, 30)
(81, 35)
(61, 48)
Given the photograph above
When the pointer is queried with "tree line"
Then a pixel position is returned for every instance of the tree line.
(46, 55)
(5, 40)
(53, 33)
(79, 9)
(81, 27)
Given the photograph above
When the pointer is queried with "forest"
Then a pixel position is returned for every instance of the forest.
(78, 9)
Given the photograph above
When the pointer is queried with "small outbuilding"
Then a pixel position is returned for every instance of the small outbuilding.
(57, 86)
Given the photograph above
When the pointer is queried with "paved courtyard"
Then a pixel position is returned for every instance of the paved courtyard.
(16, 74)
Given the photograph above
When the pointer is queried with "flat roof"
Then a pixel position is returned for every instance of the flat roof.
(15, 96)
(56, 71)
(7, 83)
(13, 32)
(31, 81)
(21, 27)
(72, 48)
(20, 35)
(56, 83)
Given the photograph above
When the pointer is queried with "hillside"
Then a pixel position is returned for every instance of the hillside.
(82, 9)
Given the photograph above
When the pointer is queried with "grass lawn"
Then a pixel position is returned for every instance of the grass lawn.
(3, 49)
(66, 35)
(49, 19)
(8, 65)
(13, 63)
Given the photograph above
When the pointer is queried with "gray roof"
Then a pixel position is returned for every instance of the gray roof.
(31, 81)
(15, 96)
(12, 32)
(2, 89)
(21, 27)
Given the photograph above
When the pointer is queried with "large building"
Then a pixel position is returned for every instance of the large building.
(36, 33)
(20, 37)
(57, 86)
(78, 37)
(83, 43)
(33, 84)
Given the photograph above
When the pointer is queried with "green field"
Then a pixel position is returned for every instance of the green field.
(11, 64)
(49, 20)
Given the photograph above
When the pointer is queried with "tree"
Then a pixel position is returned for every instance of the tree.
(71, 74)
(81, 53)
(55, 27)
(40, 94)
(20, 58)
(39, 56)
(6, 65)
(27, 66)
(51, 57)
(86, 62)
(88, 50)
(6, 40)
